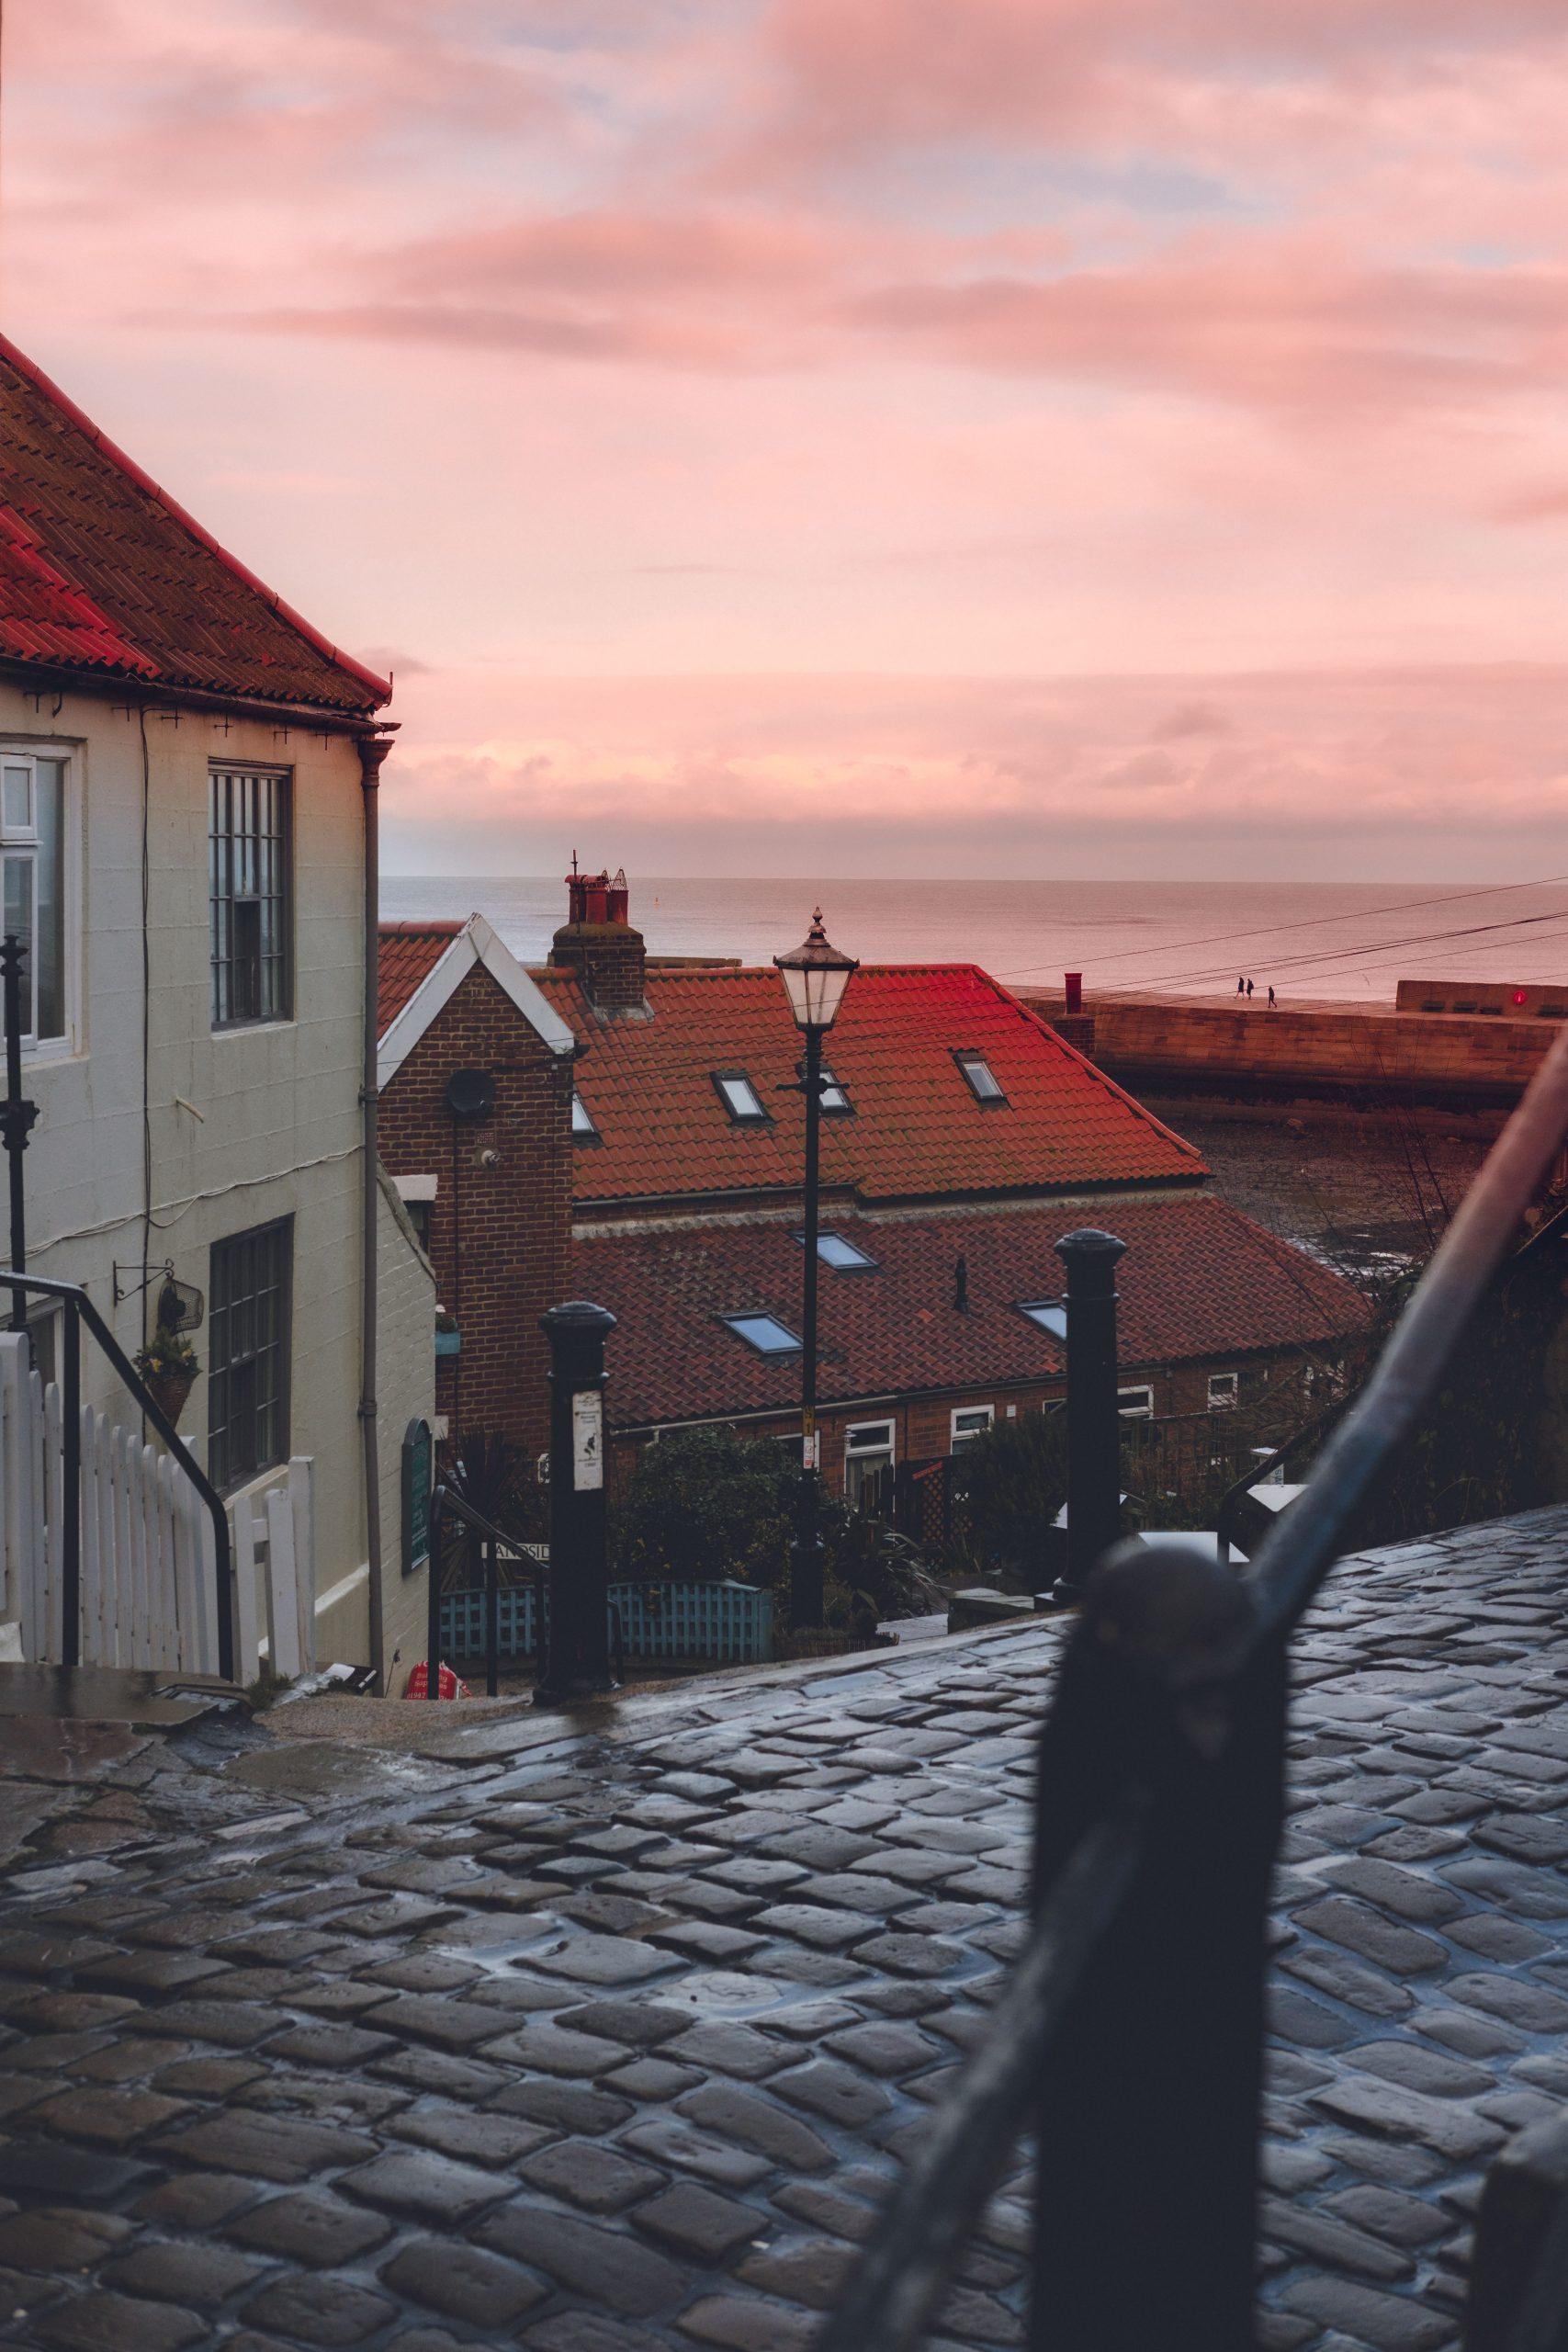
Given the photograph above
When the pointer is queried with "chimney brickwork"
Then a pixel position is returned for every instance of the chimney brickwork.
(597, 942)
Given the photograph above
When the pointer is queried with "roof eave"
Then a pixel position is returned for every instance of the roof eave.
(127, 465)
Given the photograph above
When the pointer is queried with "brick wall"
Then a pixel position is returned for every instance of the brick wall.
(500, 1238)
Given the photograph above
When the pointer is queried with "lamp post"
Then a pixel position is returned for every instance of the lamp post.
(815, 977)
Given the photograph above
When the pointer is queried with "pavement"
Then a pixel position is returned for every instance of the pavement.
(612, 2033)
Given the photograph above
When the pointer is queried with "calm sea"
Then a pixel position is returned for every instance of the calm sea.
(1188, 938)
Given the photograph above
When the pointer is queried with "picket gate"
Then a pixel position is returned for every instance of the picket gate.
(148, 1565)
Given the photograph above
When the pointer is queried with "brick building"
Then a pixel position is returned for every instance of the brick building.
(475, 1073)
(649, 1155)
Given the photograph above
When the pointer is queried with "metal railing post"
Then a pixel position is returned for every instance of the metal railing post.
(433, 1616)
(578, 1661)
(1094, 1427)
(493, 1616)
(70, 1498)
(1148, 2100)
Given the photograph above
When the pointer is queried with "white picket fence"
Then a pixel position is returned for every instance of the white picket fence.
(147, 1555)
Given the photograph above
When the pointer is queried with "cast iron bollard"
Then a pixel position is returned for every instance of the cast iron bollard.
(576, 1662)
(1094, 1428)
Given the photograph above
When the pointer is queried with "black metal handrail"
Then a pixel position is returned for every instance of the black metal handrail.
(1230, 1502)
(1131, 2026)
(79, 1309)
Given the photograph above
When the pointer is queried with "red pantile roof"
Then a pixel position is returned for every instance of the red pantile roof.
(100, 570)
(409, 954)
(916, 1131)
(1199, 1282)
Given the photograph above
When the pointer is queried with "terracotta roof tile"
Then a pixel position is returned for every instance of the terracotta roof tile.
(1200, 1281)
(409, 954)
(101, 570)
(916, 1132)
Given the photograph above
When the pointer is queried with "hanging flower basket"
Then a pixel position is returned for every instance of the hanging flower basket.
(170, 1391)
(169, 1367)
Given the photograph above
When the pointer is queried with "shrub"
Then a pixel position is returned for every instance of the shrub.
(1016, 1480)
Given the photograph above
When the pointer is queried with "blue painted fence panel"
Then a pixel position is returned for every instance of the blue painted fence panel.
(732, 1623)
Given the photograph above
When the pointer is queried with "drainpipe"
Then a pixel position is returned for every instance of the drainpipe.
(372, 753)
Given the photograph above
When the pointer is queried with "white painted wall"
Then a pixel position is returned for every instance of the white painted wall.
(278, 1130)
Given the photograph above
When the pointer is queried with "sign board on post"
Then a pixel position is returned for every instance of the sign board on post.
(587, 1440)
(418, 1463)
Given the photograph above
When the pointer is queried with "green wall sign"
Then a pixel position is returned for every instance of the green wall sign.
(419, 1456)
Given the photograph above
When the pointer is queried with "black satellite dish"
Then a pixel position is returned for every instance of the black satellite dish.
(470, 1093)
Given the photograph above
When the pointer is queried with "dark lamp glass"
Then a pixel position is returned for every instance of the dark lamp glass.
(815, 979)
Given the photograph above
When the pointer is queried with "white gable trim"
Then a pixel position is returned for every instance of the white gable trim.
(476, 944)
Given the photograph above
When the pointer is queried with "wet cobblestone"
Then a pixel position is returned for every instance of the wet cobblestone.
(596, 2037)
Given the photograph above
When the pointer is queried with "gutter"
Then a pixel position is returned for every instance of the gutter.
(372, 754)
(41, 678)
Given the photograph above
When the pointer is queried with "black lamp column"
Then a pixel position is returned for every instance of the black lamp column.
(814, 977)
(805, 1552)
(1094, 1427)
(576, 1655)
(16, 1116)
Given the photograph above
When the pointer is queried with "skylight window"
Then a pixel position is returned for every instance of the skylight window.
(982, 1078)
(1050, 1314)
(833, 1097)
(843, 1256)
(582, 1118)
(766, 1333)
(739, 1097)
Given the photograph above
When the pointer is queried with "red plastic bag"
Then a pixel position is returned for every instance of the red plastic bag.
(446, 1684)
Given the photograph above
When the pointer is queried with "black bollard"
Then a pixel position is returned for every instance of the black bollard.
(577, 1653)
(1094, 1428)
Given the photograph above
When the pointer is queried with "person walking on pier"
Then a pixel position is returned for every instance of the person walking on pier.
(1273, 1000)
(1250, 991)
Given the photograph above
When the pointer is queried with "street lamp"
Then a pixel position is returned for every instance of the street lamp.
(815, 979)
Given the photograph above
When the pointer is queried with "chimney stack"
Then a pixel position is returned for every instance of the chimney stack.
(598, 943)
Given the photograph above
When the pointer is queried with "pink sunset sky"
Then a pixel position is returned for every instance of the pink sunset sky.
(1120, 437)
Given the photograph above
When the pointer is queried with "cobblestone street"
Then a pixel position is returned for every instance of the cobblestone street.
(614, 2037)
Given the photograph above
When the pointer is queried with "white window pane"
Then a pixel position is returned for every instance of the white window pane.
(834, 1250)
(18, 798)
(50, 804)
(981, 1076)
(741, 1098)
(582, 1125)
(19, 925)
(763, 1332)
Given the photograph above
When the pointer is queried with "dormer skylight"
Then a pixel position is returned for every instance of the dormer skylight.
(1049, 1314)
(844, 1257)
(982, 1080)
(740, 1098)
(766, 1333)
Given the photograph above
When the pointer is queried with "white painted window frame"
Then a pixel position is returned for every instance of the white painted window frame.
(14, 750)
(1145, 1412)
(957, 1439)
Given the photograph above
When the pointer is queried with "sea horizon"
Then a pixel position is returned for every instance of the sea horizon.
(1309, 940)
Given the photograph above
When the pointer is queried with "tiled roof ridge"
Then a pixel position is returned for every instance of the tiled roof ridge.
(127, 465)
(1092, 1069)
(419, 926)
